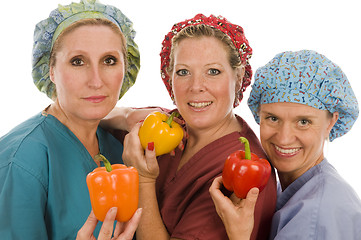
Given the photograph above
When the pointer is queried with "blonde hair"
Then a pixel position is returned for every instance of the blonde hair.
(88, 22)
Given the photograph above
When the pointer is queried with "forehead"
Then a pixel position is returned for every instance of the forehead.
(288, 109)
(89, 23)
(87, 29)
(200, 47)
(100, 35)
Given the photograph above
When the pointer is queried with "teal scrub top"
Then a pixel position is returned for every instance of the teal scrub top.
(43, 169)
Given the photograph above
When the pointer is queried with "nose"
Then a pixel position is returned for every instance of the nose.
(94, 77)
(285, 134)
(197, 83)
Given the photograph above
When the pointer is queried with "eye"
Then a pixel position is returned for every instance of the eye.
(213, 72)
(77, 61)
(182, 72)
(272, 118)
(110, 61)
(304, 123)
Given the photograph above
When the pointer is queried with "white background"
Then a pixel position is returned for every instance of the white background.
(271, 26)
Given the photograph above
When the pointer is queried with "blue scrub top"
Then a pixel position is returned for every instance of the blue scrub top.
(318, 205)
(43, 169)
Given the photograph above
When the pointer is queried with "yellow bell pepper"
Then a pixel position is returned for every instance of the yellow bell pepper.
(162, 130)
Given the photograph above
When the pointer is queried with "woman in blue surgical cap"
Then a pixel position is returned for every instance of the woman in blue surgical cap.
(301, 99)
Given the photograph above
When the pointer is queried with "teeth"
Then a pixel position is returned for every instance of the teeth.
(287, 151)
(200, 105)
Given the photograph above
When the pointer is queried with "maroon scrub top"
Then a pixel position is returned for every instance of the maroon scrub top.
(183, 196)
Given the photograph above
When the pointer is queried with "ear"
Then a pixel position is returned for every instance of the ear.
(333, 121)
(239, 75)
(172, 91)
(51, 74)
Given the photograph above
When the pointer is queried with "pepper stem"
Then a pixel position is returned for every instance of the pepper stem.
(247, 149)
(107, 164)
(170, 119)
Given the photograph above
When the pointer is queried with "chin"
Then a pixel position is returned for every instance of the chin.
(92, 115)
(199, 123)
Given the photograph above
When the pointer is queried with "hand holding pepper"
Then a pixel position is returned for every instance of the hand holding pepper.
(134, 155)
(122, 231)
(113, 186)
(244, 170)
(237, 214)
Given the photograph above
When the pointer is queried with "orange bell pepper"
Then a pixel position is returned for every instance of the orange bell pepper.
(113, 186)
(162, 130)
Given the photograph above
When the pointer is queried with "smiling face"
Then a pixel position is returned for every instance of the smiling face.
(203, 82)
(293, 137)
(88, 72)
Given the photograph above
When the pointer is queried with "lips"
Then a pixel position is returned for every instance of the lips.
(95, 99)
(289, 152)
(200, 104)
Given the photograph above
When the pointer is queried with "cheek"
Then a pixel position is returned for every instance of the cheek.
(115, 86)
(65, 82)
(178, 88)
(315, 139)
(232, 92)
(117, 80)
(265, 132)
(227, 89)
(112, 77)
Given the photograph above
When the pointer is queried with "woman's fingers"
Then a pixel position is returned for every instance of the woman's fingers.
(86, 232)
(151, 161)
(106, 230)
(125, 231)
(236, 214)
(249, 203)
(132, 148)
(134, 155)
(215, 191)
(222, 203)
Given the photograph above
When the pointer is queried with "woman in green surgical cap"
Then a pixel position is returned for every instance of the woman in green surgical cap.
(84, 59)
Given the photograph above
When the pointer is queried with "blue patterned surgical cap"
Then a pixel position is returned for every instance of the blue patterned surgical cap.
(48, 30)
(309, 78)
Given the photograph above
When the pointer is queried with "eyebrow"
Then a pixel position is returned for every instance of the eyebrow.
(309, 116)
(181, 65)
(208, 64)
(218, 65)
(267, 113)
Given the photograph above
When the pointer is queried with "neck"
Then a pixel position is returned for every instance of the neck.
(286, 178)
(84, 130)
(199, 138)
(205, 136)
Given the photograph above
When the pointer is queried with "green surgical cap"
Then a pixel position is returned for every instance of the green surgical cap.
(47, 31)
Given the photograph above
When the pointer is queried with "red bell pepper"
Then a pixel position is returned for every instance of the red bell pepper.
(244, 170)
(113, 186)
